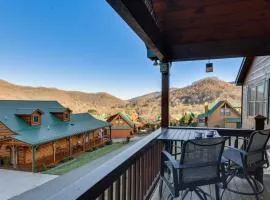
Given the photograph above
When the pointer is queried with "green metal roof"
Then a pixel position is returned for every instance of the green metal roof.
(51, 127)
(212, 109)
(26, 111)
(232, 120)
(127, 119)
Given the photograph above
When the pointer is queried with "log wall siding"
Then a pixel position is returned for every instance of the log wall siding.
(65, 116)
(259, 72)
(122, 133)
(26, 118)
(4, 151)
(4, 131)
(45, 152)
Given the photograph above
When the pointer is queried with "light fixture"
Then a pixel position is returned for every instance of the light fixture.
(156, 62)
(209, 67)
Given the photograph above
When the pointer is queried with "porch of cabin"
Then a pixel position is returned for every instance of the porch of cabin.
(172, 31)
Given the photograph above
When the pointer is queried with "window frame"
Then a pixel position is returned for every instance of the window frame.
(36, 117)
(254, 102)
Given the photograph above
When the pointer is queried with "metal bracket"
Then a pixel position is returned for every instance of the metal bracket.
(165, 67)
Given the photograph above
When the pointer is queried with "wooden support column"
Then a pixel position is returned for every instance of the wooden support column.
(165, 73)
(14, 159)
(54, 152)
(84, 142)
(110, 127)
(70, 146)
(34, 159)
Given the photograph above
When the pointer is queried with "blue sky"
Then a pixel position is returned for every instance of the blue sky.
(84, 45)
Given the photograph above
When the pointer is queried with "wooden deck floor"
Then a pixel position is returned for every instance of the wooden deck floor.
(237, 183)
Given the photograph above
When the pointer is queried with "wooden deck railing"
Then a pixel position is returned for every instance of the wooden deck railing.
(132, 174)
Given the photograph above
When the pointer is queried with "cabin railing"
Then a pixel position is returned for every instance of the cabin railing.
(132, 174)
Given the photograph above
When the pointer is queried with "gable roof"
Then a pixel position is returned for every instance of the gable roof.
(27, 111)
(216, 106)
(244, 68)
(124, 116)
(51, 127)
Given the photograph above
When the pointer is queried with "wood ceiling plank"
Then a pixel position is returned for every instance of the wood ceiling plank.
(215, 33)
(216, 10)
(222, 49)
(225, 20)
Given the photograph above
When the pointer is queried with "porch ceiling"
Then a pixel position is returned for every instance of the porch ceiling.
(194, 29)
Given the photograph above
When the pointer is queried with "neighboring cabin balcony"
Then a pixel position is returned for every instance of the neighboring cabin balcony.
(132, 174)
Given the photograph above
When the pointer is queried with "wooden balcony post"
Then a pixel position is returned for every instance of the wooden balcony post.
(165, 73)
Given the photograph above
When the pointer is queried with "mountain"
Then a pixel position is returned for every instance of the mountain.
(76, 101)
(187, 99)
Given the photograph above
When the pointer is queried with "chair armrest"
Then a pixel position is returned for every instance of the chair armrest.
(235, 155)
(169, 159)
(244, 153)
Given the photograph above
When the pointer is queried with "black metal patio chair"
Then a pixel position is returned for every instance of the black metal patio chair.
(199, 165)
(246, 162)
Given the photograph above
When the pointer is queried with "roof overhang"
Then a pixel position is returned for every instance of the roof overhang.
(244, 68)
(194, 29)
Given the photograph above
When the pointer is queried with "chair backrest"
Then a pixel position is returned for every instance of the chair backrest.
(204, 157)
(257, 146)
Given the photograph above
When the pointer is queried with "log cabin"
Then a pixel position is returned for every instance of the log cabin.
(39, 134)
(122, 126)
(254, 77)
(221, 115)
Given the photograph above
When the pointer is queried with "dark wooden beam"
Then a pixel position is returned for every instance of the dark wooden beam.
(138, 17)
(165, 73)
(222, 49)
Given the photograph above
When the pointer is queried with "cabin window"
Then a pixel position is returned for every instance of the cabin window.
(66, 115)
(257, 100)
(36, 119)
(225, 112)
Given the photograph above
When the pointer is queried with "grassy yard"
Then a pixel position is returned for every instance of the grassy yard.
(83, 159)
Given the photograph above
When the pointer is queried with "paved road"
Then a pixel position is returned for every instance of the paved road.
(13, 183)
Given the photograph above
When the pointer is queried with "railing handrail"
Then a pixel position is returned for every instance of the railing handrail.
(84, 184)
(222, 131)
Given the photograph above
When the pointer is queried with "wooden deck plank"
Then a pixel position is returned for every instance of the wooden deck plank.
(237, 183)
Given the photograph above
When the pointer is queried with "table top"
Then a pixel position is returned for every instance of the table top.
(184, 134)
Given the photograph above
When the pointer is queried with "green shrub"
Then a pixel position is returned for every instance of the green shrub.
(6, 161)
(43, 167)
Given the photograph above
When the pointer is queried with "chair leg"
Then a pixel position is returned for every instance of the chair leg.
(185, 194)
(197, 192)
(217, 192)
(253, 188)
(160, 188)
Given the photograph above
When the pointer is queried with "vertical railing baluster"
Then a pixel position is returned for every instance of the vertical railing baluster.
(236, 142)
(101, 197)
(117, 189)
(124, 186)
(134, 179)
(142, 177)
(129, 183)
(110, 192)
(138, 177)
